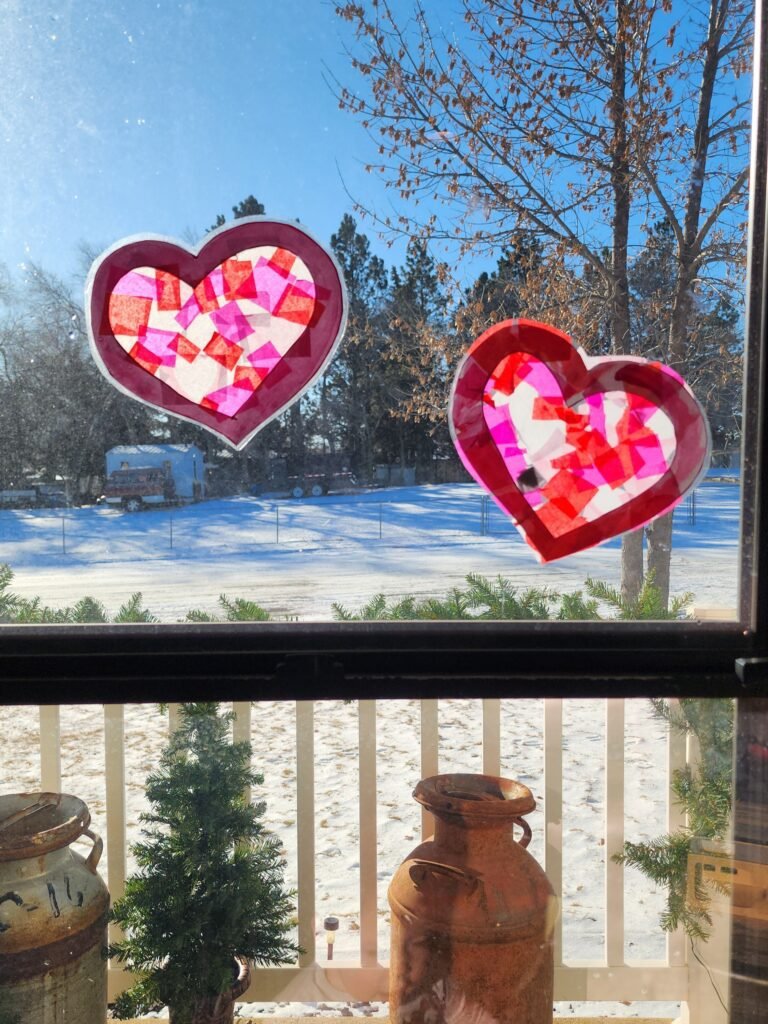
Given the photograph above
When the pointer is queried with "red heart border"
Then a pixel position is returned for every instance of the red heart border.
(578, 376)
(296, 372)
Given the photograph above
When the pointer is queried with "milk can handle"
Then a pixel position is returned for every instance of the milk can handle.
(526, 836)
(419, 869)
(95, 855)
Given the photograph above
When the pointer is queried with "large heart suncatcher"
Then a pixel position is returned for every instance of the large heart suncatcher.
(575, 449)
(227, 337)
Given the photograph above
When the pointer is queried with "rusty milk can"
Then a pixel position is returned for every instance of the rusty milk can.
(53, 912)
(472, 912)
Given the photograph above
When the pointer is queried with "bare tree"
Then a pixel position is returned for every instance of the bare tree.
(577, 122)
(57, 413)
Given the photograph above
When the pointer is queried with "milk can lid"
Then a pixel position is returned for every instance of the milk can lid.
(33, 824)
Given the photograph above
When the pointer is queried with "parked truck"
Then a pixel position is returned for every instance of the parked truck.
(146, 475)
(34, 496)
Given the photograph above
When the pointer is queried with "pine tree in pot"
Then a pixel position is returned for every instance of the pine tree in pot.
(209, 893)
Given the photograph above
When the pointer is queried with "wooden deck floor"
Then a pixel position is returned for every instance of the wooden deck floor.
(384, 1020)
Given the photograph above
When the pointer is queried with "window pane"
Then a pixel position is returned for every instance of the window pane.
(525, 181)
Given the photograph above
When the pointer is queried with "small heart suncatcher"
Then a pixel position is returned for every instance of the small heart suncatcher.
(575, 449)
(228, 336)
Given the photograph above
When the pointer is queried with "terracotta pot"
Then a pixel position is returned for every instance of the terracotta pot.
(472, 912)
(218, 1009)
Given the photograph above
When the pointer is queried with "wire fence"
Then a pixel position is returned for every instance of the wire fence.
(228, 525)
(494, 522)
(92, 533)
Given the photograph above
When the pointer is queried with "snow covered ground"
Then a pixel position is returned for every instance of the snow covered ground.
(296, 559)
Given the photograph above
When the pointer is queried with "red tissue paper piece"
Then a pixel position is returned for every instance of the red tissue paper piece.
(575, 449)
(227, 336)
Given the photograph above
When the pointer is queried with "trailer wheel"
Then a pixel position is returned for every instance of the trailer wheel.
(297, 491)
(317, 490)
(132, 504)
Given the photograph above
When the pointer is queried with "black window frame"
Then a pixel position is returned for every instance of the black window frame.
(127, 663)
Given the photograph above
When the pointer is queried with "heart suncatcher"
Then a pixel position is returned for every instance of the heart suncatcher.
(575, 449)
(228, 337)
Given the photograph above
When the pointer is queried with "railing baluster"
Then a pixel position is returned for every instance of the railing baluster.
(50, 748)
(492, 736)
(305, 827)
(241, 729)
(676, 753)
(553, 807)
(368, 833)
(429, 756)
(614, 831)
(173, 718)
(116, 838)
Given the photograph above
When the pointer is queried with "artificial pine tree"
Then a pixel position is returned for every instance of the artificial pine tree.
(704, 793)
(210, 882)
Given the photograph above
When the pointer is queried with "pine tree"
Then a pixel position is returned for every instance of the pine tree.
(248, 207)
(703, 791)
(210, 880)
(714, 365)
(649, 605)
(498, 295)
(418, 361)
(352, 384)
(285, 436)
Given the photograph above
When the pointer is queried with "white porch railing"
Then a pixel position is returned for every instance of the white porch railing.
(313, 978)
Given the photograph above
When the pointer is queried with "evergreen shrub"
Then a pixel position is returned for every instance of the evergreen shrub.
(209, 885)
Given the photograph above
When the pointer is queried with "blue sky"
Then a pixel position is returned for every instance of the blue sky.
(152, 116)
(129, 116)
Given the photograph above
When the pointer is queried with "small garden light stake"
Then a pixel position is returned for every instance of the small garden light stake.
(331, 925)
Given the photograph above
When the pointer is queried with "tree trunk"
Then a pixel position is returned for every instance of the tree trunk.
(659, 534)
(621, 334)
(365, 472)
(660, 530)
(297, 440)
(631, 565)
